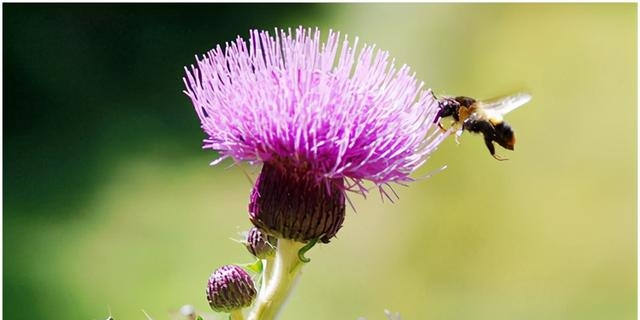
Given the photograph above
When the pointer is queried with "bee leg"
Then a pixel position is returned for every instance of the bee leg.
(499, 158)
(441, 127)
(492, 149)
(458, 135)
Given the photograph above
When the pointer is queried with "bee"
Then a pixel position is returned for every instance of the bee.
(482, 117)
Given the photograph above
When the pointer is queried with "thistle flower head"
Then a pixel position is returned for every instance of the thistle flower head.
(323, 118)
(327, 108)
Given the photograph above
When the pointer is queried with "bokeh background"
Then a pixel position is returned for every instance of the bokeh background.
(109, 202)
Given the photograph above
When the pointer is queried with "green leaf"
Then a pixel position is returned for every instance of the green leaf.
(255, 267)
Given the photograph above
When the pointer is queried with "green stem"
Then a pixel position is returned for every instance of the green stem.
(286, 267)
(236, 315)
(267, 272)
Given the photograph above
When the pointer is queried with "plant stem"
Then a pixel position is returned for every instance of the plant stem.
(236, 315)
(285, 270)
(267, 272)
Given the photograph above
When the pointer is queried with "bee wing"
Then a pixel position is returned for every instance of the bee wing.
(506, 104)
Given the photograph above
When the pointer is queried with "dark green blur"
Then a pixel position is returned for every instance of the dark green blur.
(109, 202)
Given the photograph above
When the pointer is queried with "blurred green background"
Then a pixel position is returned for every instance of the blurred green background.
(109, 201)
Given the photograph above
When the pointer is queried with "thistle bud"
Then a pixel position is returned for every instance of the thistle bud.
(230, 288)
(289, 203)
(260, 244)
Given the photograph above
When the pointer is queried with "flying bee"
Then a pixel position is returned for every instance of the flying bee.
(482, 117)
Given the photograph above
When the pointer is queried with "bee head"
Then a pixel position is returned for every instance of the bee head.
(448, 107)
(465, 101)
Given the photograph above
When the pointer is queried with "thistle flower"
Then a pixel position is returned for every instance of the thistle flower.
(230, 288)
(320, 118)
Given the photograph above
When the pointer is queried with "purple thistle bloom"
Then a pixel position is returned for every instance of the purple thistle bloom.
(335, 113)
(320, 117)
